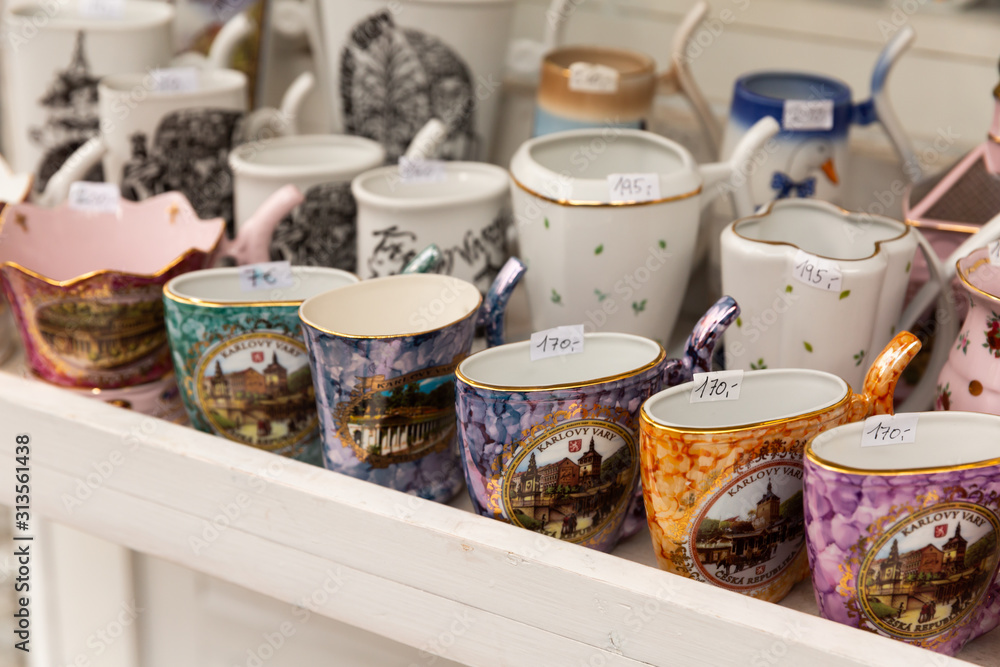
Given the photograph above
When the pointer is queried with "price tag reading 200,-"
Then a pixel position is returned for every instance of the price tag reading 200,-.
(717, 386)
(556, 342)
(822, 274)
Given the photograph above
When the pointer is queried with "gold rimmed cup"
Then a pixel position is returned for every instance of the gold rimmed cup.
(902, 538)
(240, 357)
(722, 480)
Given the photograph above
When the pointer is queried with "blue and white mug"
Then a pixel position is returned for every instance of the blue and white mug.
(807, 158)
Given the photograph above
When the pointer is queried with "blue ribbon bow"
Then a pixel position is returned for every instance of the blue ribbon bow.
(785, 186)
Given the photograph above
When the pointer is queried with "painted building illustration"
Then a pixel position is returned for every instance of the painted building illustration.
(738, 543)
(570, 498)
(408, 420)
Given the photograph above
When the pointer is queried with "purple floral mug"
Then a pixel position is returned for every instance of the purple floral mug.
(902, 538)
(552, 445)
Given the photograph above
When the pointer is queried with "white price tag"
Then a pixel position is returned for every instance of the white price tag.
(266, 275)
(591, 78)
(717, 386)
(418, 170)
(94, 197)
(556, 342)
(807, 115)
(101, 9)
(889, 429)
(175, 79)
(816, 272)
(634, 187)
(993, 251)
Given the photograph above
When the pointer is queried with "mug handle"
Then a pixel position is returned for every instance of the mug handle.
(922, 396)
(678, 77)
(879, 106)
(223, 48)
(495, 304)
(73, 169)
(424, 261)
(253, 241)
(268, 122)
(700, 345)
(736, 169)
(880, 382)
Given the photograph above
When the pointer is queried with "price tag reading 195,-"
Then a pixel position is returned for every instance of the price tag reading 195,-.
(266, 275)
(94, 197)
(889, 430)
(717, 386)
(816, 272)
(556, 342)
(634, 187)
(591, 78)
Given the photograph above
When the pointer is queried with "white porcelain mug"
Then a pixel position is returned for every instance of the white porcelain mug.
(53, 57)
(781, 266)
(465, 212)
(154, 141)
(610, 264)
(321, 230)
(389, 66)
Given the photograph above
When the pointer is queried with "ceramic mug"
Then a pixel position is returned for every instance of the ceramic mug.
(902, 538)
(616, 265)
(321, 230)
(389, 67)
(90, 312)
(154, 141)
(794, 316)
(816, 113)
(240, 358)
(552, 445)
(970, 380)
(383, 355)
(722, 480)
(465, 212)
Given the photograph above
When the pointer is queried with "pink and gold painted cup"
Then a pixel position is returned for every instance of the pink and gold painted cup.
(722, 480)
(86, 286)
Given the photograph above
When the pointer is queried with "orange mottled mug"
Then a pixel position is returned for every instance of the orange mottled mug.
(722, 480)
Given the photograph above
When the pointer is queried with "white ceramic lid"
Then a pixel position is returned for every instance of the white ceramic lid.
(574, 166)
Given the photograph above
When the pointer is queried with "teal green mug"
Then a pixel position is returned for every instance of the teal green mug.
(241, 363)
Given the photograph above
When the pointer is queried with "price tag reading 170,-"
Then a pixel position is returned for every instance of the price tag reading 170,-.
(175, 79)
(556, 342)
(592, 78)
(816, 272)
(993, 251)
(634, 187)
(889, 430)
(94, 197)
(717, 386)
(266, 275)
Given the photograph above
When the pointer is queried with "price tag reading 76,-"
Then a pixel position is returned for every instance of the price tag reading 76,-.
(816, 272)
(266, 275)
(717, 386)
(557, 342)
(889, 430)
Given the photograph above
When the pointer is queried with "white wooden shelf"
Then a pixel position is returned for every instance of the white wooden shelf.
(431, 576)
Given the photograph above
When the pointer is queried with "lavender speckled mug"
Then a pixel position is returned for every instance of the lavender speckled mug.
(902, 539)
(552, 445)
(383, 354)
